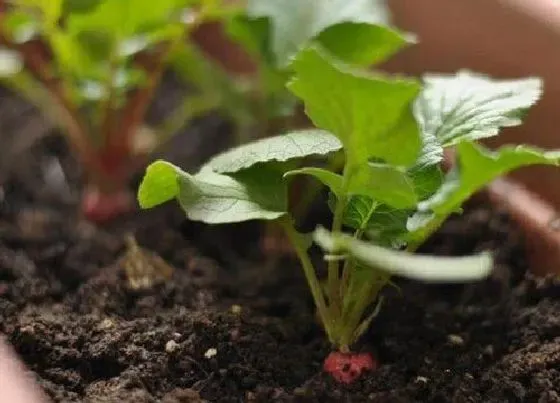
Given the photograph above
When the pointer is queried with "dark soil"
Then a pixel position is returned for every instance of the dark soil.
(232, 326)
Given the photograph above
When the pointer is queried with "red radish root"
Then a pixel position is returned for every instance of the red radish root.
(346, 368)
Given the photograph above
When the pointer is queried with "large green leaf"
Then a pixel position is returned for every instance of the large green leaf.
(298, 144)
(384, 183)
(476, 167)
(418, 267)
(215, 198)
(370, 113)
(355, 30)
(467, 106)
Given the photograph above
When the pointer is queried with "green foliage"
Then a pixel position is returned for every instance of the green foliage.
(281, 148)
(356, 31)
(93, 67)
(215, 198)
(475, 106)
(417, 267)
(380, 120)
(476, 168)
(274, 31)
(379, 222)
(392, 131)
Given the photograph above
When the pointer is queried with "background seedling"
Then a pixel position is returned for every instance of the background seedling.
(93, 68)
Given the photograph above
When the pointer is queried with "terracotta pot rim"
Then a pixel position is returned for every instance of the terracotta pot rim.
(538, 220)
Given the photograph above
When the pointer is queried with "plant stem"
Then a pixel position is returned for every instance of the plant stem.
(348, 266)
(333, 281)
(354, 316)
(310, 275)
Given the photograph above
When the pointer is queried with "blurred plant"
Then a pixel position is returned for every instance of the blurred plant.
(93, 66)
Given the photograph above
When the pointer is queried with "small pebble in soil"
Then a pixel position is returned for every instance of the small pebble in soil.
(236, 309)
(105, 324)
(210, 353)
(301, 392)
(171, 346)
(489, 350)
(421, 379)
(455, 340)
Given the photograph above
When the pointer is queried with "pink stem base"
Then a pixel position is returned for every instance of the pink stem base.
(100, 207)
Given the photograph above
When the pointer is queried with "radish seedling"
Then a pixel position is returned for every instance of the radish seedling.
(390, 194)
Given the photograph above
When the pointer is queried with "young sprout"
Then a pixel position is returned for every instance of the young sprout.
(390, 194)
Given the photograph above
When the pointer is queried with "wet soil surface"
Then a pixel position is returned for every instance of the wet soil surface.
(231, 325)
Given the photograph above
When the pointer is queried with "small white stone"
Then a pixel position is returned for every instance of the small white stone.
(455, 340)
(106, 323)
(171, 346)
(421, 379)
(210, 353)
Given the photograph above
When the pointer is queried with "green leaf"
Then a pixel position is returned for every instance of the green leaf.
(431, 152)
(295, 23)
(426, 173)
(250, 195)
(382, 224)
(426, 180)
(370, 113)
(159, 184)
(330, 179)
(298, 144)
(362, 43)
(387, 226)
(125, 18)
(467, 106)
(476, 167)
(215, 198)
(384, 183)
(358, 211)
(10, 62)
(253, 34)
(418, 267)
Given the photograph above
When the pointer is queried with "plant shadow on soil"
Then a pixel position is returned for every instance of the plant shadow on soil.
(66, 308)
